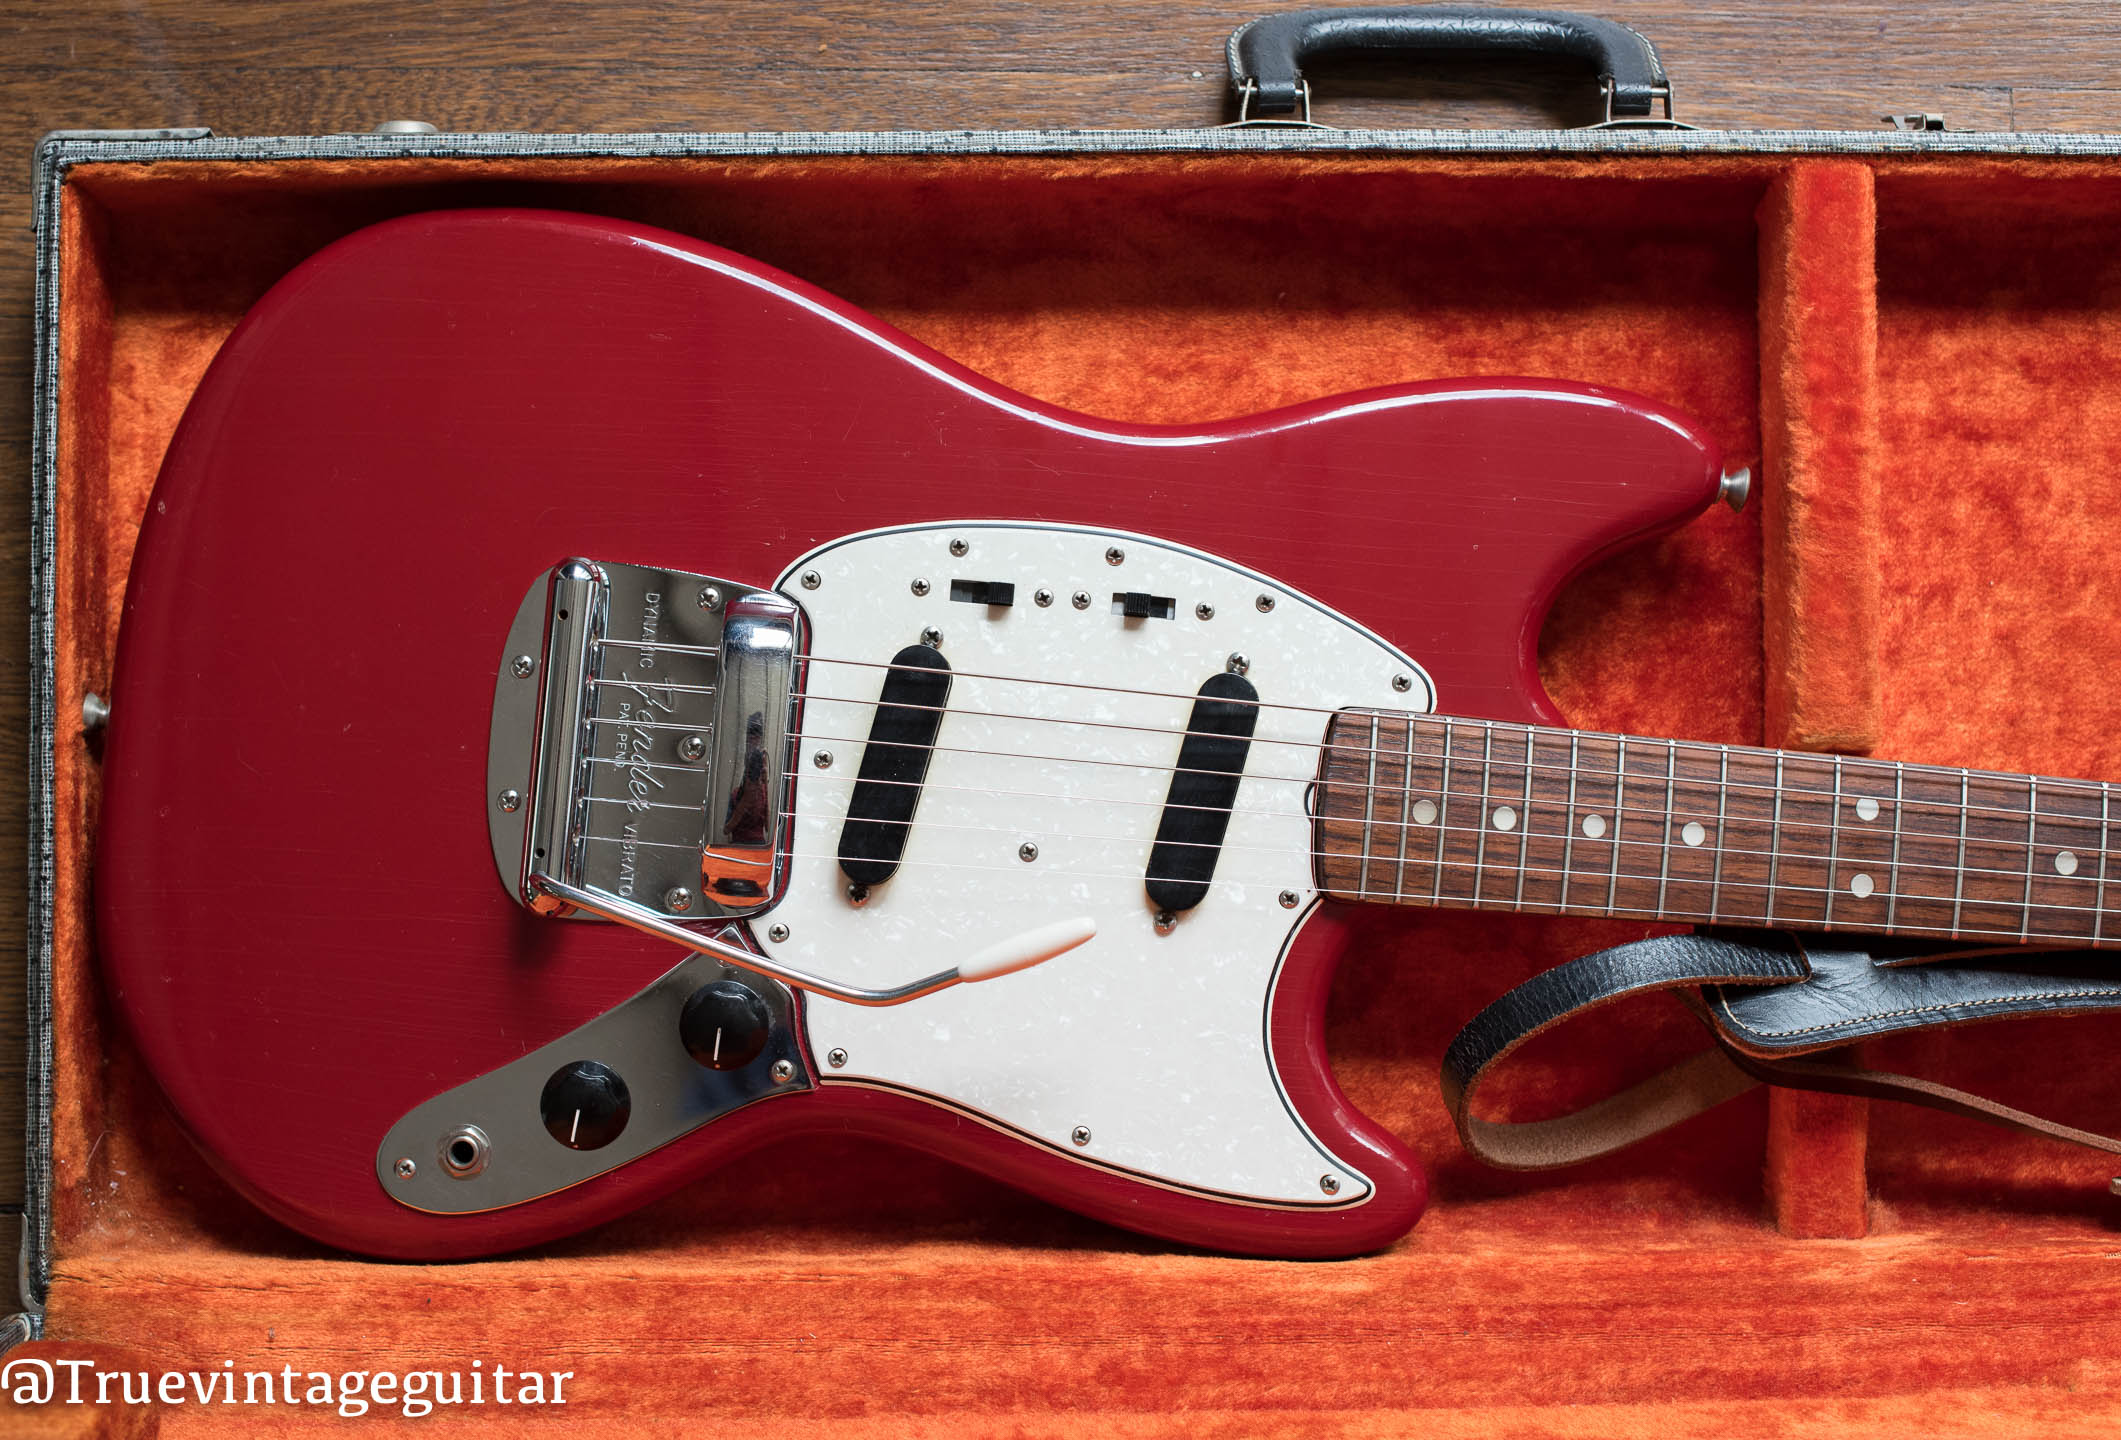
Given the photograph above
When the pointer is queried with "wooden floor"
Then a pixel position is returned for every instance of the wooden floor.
(306, 66)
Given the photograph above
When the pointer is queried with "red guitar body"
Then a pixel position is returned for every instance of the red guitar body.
(299, 916)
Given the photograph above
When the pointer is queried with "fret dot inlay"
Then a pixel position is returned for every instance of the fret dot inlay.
(1866, 809)
(1693, 834)
(1424, 812)
(2065, 863)
(1505, 818)
(1860, 886)
(1594, 825)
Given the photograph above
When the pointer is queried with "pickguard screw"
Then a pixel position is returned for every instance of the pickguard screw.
(522, 666)
(1204, 610)
(1080, 1134)
(1027, 852)
(777, 934)
(1042, 598)
(1330, 1184)
(405, 1168)
(1402, 683)
(811, 579)
(932, 638)
(1239, 663)
(1115, 555)
(958, 547)
(823, 759)
(837, 1059)
(920, 587)
(1166, 922)
(711, 597)
(783, 1071)
(1080, 599)
(1265, 603)
(1290, 899)
(857, 894)
(677, 897)
(692, 747)
(511, 800)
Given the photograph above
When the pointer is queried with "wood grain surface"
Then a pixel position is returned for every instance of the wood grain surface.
(295, 66)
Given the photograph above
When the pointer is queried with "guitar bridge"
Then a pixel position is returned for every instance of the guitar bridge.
(640, 749)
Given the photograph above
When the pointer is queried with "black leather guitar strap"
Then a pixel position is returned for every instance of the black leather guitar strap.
(1769, 1000)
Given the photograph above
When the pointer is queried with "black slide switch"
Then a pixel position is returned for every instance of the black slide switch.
(984, 592)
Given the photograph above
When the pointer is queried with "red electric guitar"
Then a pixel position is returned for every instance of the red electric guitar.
(589, 704)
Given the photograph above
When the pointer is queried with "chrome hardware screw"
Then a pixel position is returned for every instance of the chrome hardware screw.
(1265, 603)
(522, 666)
(777, 934)
(1166, 922)
(1330, 1184)
(677, 897)
(692, 747)
(958, 547)
(510, 800)
(1027, 852)
(837, 1059)
(711, 597)
(920, 587)
(1290, 899)
(1080, 599)
(1204, 610)
(932, 638)
(1042, 598)
(405, 1169)
(857, 894)
(811, 579)
(1402, 683)
(1239, 663)
(783, 1071)
(823, 759)
(1080, 1135)
(1115, 555)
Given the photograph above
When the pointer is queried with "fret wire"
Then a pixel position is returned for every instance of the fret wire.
(1664, 864)
(1620, 785)
(1723, 796)
(2032, 831)
(2106, 796)
(1774, 864)
(1443, 809)
(1406, 798)
(1959, 889)
(1568, 823)
(1892, 901)
(1833, 847)
(1524, 819)
(1480, 845)
(1369, 804)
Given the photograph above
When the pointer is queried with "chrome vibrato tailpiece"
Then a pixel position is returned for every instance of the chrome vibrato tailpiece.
(638, 765)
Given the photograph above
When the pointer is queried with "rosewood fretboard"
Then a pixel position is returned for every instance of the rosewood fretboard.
(1423, 810)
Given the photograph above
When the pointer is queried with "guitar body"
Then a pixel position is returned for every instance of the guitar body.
(300, 918)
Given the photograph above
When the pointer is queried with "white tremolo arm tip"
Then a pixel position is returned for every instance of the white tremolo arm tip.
(1021, 952)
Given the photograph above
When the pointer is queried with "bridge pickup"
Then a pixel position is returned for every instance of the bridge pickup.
(1211, 762)
(894, 764)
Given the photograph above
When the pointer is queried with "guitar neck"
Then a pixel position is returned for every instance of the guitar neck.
(1425, 810)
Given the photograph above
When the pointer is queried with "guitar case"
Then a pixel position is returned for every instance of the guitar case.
(1911, 336)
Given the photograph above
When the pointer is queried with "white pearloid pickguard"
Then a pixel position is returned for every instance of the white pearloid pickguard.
(1156, 1045)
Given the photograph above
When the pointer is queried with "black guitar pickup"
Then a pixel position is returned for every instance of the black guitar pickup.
(894, 764)
(1196, 816)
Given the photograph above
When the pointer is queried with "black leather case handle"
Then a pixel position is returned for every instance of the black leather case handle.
(1266, 56)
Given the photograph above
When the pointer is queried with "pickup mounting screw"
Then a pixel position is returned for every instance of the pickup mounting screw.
(783, 1071)
(1080, 599)
(1265, 603)
(1290, 899)
(823, 759)
(920, 587)
(1042, 598)
(1239, 663)
(1204, 610)
(510, 801)
(405, 1169)
(711, 597)
(836, 1058)
(1080, 1134)
(857, 894)
(522, 666)
(811, 579)
(1330, 1184)
(1402, 683)
(677, 897)
(777, 934)
(958, 547)
(692, 747)
(1166, 922)
(932, 638)
(1115, 556)
(1027, 852)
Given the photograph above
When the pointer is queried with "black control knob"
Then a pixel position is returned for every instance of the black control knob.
(585, 1105)
(725, 1025)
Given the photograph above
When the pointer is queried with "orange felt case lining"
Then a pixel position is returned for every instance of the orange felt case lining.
(1919, 355)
